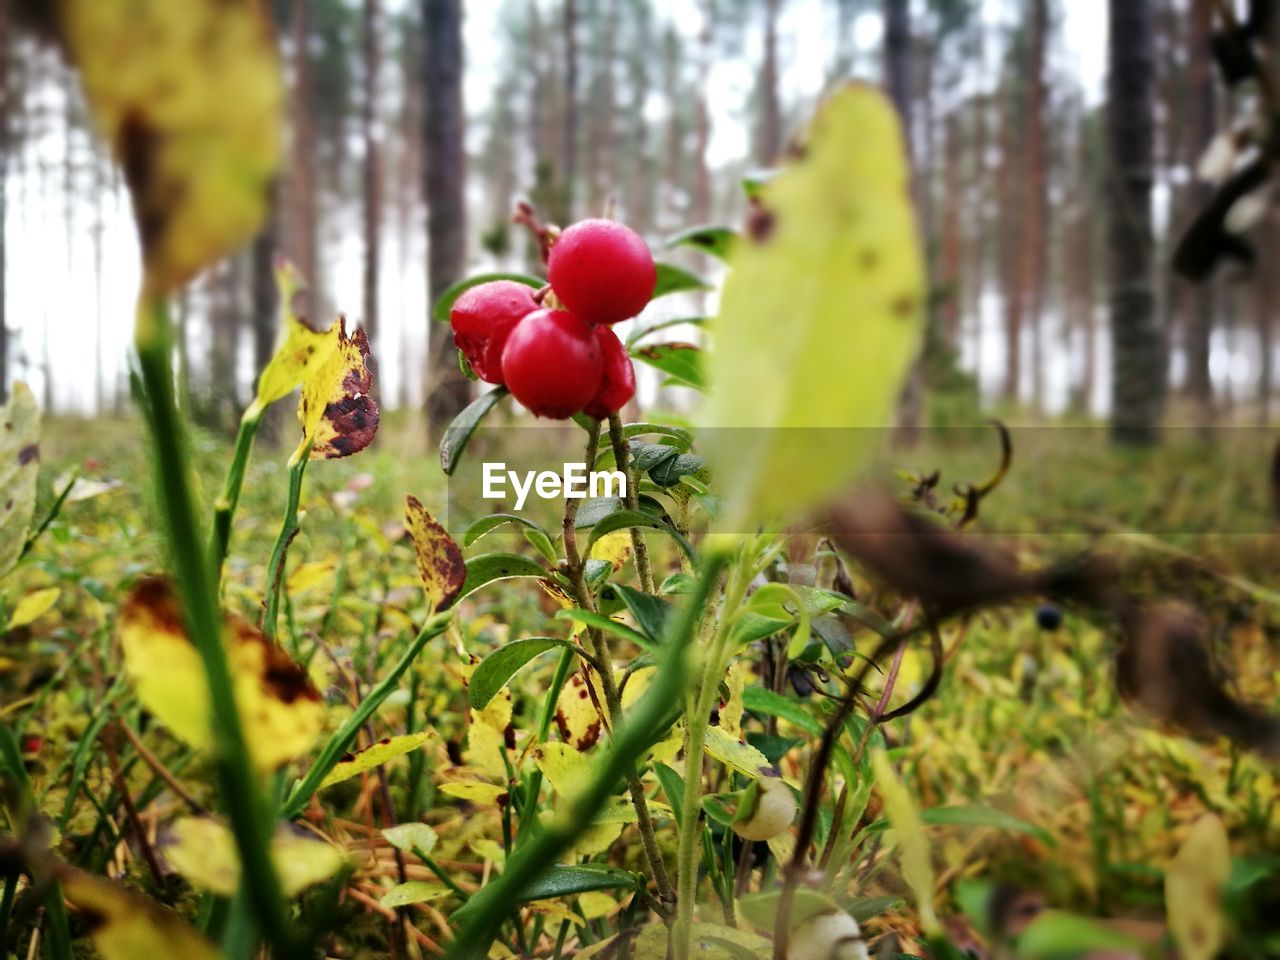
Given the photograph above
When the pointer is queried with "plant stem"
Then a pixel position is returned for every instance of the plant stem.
(613, 700)
(288, 530)
(697, 716)
(224, 510)
(631, 737)
(337, 744)
(622, 457)
(528, 813)
(251, 822)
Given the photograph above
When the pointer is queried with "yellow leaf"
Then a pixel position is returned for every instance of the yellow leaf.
(19, 462)
(310, 575)
(485, 749)
(300, 351)
(820, 317)
(1193, 890)
(567, 770)
(413, 891)
(734, 751)
(125, 926)
(917, 869)
(440, 561)
(282, 712)
(474, 791)
(188, 95)
(374, 756)
(338, 414)
(203, 850)
(707, 937)
(614, 547)
(596, 904)
(410, 837)
(34, 606)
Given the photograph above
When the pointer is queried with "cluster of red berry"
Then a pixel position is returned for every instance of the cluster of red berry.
(558, 362)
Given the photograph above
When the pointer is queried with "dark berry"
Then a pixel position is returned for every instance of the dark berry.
(1048, 617)
(601, 271)
(618, 383)
(552, 363)
(482, 319)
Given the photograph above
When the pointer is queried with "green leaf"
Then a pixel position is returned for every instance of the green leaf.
(1057, 935)
(412, 891)
(863, 909)
(557, 881)
(642, 332)
(820, 318)
(754, 182)
(736, 753)
(683, 437)
(759, 700)
(458, 434)
(625, 519)
(19, 462)
(680, 361)
(975, 817)
(650, 612)
(499, 667)
(710, 239)
(673, 279)
(673, 786)
(444, 303)
(488, 567)
(594, 509)
(492, 522)
(608, 625)
(761, 909)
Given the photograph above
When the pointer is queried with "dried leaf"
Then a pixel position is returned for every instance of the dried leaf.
(282, 712)
(337, 411)
(440, 560)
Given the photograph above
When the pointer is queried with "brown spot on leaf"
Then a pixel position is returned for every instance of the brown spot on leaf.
(29, 453)
(760, 223)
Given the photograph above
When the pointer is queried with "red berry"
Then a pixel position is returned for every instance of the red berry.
(618, 384)
(601, 271)
(552, 363)
(482, 319)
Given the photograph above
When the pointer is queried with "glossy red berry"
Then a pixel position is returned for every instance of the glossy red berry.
(482, 319)
(601, 271)
(552, 363)
(618, 382)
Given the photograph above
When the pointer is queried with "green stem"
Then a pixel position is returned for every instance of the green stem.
(622, 457)
(288, 530)
(529, 812)
(337, 745)
(632, 736)
(251, 822)
(697, 716)
(224, 509)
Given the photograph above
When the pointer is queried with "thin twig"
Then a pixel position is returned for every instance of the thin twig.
(161, 771)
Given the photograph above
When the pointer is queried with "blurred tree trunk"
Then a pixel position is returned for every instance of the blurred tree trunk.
(639, 198)
(445, 162)
(950, 254)
(1035, 198)
(6, 142)
(372, 170)
(569, 115)
(702, 117)
(1199, 326)
(897, 61)
(1138, 367)
(1009, 232)
(300, 232)
(770, 110)
(1264, 306)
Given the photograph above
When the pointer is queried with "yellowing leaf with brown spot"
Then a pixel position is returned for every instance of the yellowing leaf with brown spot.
(1193, 887)
(374, 756)
(203, 850)
(735, 752)
(614, 547)
(281, 711)
(300, 350)
(577, 719)
(33, 606)
(337, 411)
(125, 926)
(188, 95)
(474, 791)
(820, 318)
(19, 462)
(440, 560)
(567, 770)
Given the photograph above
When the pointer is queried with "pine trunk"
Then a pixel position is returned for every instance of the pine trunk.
(1138, 368)
(372, 171)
